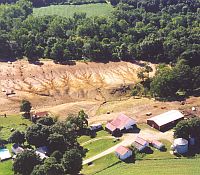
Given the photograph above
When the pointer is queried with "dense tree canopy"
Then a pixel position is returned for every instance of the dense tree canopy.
(60, 139)
(168, 81)
(25, 106)
(17, 137)
(79, 122)
(138, 29)
(25, 162)
(37, 135)
(50, 167)
(188, 128)
(72, 161)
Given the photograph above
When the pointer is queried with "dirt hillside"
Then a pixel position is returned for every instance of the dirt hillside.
(64, 88)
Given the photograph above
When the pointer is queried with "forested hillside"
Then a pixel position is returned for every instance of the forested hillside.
(137, 30)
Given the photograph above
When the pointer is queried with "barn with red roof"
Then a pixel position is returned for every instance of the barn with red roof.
(120, 124)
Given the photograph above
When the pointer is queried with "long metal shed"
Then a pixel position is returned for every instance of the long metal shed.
(166, 120)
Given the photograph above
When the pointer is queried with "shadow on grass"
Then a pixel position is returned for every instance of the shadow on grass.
(108, 167)
(193, 150)
(130, 160)
(148, 150)
(133, 130)
(163, 149)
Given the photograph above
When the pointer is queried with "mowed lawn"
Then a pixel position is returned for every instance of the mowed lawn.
(18, 123)
(110, 165)
(96, 145)
(99, 146)
(14, 121)
(6, 167)
(100, 9)
(99, 134)
(157, 163)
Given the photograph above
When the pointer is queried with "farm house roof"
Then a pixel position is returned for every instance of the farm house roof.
(155, 142)
(111, 127)
(120, 122)
(41, 114)
(122, 150)
(167, 117)
(140, 141)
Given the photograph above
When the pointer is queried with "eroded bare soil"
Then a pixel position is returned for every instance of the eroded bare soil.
(52, 86)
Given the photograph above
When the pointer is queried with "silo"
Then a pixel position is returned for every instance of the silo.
(181, 145)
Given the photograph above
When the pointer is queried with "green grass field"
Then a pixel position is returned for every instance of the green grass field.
(166, 164)
(6, 168)
(99, 146)
(18, 123)
(110, 165)
(84, 138)
(68, 10)
(15, 121)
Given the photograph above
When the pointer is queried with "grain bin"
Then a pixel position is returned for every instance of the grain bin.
(180, 145)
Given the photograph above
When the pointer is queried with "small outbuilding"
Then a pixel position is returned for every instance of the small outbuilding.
(140, 144)
(180, 146)
(16, 149)
(96, 127)
(41, 155)
(42, 149)
(120, 124)
(123, 153)
(37, 115)
(166, 120)
(42, 152)
(158, 145)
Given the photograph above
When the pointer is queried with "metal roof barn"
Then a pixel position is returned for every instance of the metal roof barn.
(166, 120)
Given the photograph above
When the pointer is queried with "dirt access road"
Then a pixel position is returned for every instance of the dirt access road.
(129, 138)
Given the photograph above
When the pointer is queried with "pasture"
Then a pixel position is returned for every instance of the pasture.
(100, 9)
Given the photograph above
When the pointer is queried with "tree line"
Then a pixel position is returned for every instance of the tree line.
(39, 3)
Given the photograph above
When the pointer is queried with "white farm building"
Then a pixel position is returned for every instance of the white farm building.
(123, 153)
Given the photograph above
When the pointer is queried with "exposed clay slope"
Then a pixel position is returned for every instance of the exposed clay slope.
(54, 84)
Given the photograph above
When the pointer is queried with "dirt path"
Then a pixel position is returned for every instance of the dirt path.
(129, 138)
